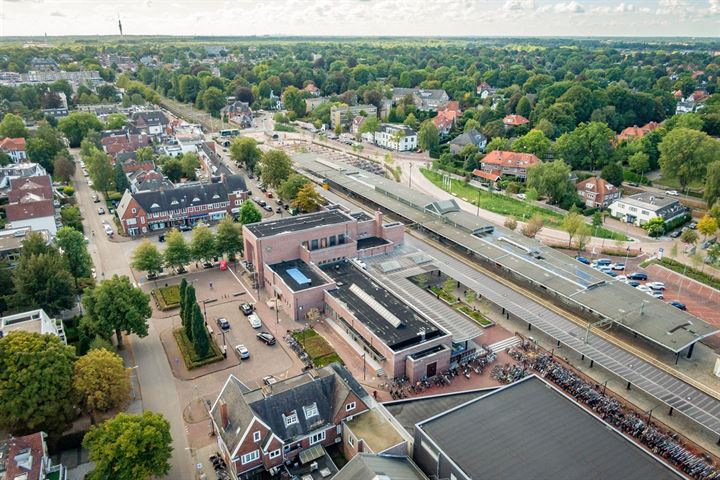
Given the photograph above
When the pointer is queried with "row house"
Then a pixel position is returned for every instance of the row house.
(186, 204)
(263, 429)
(14, 148)
(238, 113)
(515, 164)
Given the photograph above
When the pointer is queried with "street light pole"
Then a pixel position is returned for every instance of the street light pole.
(364, 363)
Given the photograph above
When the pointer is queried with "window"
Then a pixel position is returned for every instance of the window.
(250, 457)
(341, 239)
(317, 438)
(351, 441)
(274, 454)
(332, 240)
(314, 244)
(256, 436)
(291, 418)
(311, 411)
(350, 407)
(134, 210)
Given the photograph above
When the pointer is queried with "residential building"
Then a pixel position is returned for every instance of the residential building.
(424, 99)
(446, 117)
(547, 431)
(150, 122)
(597, 192)
(148, 180)
(238, 113)
(366, 466)
(515, 164)
(31, 204)
(344, 114)
(638, 209)
(396, 137)
(511, 121)
(287, 422)
(11, 240)
(19, 170)
(27, 458)
(129, 162)
(34, 321)
(75, 79)
(58, 112)
(634, 133)
(124, 142)
(186, 204)
(44, 64)
(313, 102)
(312, 89)
(14, 148)
(484, 90)
(471, 137)
(357, 124)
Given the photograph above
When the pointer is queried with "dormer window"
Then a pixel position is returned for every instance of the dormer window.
(174, 202)
(311, 411)
(350, 407)
(196, 199)
(291, 418)
(216, 196)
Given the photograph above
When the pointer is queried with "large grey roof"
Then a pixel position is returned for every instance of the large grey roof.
(366, 466)
(298, 223)
(471, 137)
(589, 289)
(530, 429)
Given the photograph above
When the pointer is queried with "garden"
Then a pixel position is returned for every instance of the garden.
(167, 298)
(321, 353)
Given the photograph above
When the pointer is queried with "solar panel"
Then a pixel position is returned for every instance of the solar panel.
(375, 305)
(298, 276)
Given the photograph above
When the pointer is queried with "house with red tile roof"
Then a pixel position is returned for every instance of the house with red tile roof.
(126, 142)
(15, 148)
(22, 187)
(312, 89)
(31, 204)
(446, 117)
(27, 458)
(514, 121)
(597, 192)
(500, 162)
(635, 132)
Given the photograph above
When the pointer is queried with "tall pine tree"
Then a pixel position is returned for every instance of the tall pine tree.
(187, 318)
(201, 342)
(183, 289)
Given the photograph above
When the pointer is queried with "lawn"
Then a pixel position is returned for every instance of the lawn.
(318, 349)
(167, 297)
(673, 183)
(504, 205)
(440, 292)
(475, 315)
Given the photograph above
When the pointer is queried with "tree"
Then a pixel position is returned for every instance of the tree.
(523, 107)
(597, 219)
(655, 226)
(689, 236)
(686, 153)
(77, 125)
(572, 222)
(144, 154)
(5, 159)
(582, 236)
(147, 258)
(613, 173)
(294, 101)
(43, 281)
(71, 217)
(214, 100)
(187, 311)
(190, 162)
(116, 306)
(290, 187)
(244, 94)
(244, 150)
(534, 142)
(116, 121)
(551, 180)
(589, 146)
(202, 246)
(249, 213)
(130, 447)
(639, 162)
(370, 125)
(173, 169)
(511, 223)
(411, 121)
(707, 225)
(101, 381)
(13, 126)
(72, 244)
(35, 382)
(428, 137)
(200, 339)
(533, 226)
(275, 167)
(228, 239)
(63, 168)
(177, 253)
(712, 183)
(121, 180)
(101, 171)
(307, 199)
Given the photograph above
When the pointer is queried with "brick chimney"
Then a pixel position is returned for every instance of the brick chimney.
(224, 417)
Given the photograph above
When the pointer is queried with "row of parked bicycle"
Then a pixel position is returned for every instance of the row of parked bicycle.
(298, 349)
(665, 444)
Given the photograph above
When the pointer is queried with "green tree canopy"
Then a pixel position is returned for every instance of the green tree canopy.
(36, 374)
(116, 306)
(534, 142)
(289, 188)
(686, 153)
(550, 179)
(249, 213)
(177, 253)
(244, 150)
(130, 447)
(428, 137)
(275, 167)
(116, 121)
(72, 244)
(77, 125)
(43, 281)
(101, 382)
(200, 339)
(228, 239)
(203, 246)
(121, 180)
(588, 147)
(294, 101)
(308, 199)
(13, 126)
(63, 167)
(613, 173)
(712, 183)
(147, 258)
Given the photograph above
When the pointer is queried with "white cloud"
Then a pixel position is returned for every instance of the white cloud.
(519, 5)
(569, 7)
(714, 7)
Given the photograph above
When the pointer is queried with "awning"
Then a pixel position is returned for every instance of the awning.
(312, 453)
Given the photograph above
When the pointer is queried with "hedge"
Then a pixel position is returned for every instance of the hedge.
(190, 356)
(689, 272)
(673, 224)
(167, 298)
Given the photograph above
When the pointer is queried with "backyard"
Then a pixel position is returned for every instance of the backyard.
(505, 205)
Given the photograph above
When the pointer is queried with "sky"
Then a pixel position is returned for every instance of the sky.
(363, 17)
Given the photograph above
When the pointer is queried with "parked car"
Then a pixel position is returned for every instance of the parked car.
(693, 225)
(266, 337)
(269, 194)
(242, 352)
(521, 196)
(583, 260)
(161, 238)
(267, 208)
(278, 210)
(677, 304)
(638, 276)
(621, 278)
(656, 285)
(223, 323)
(675, 234)
(254, 320)
(644, 288)
(672, 193)
(610, 272)
(246, 308)
(658, 295)
(633, 283)
(269, 380)
(95, 199)
(618, 266)
(184, 228)
(108, 230)
(101, 211)
(603, 262)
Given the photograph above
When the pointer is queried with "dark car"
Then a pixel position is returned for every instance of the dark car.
(161, 238)
(611, 273)
(583, 260)
(246, 308)
(184, 228)
(637, 276)
(223, 323)
(266, 337)
(675, 234)
(633, 283)
(677, 304)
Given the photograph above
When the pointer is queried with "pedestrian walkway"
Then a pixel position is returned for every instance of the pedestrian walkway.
(505, 344)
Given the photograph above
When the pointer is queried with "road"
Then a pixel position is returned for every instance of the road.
(158, 386)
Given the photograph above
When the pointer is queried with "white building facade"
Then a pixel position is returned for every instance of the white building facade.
(396, 137)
